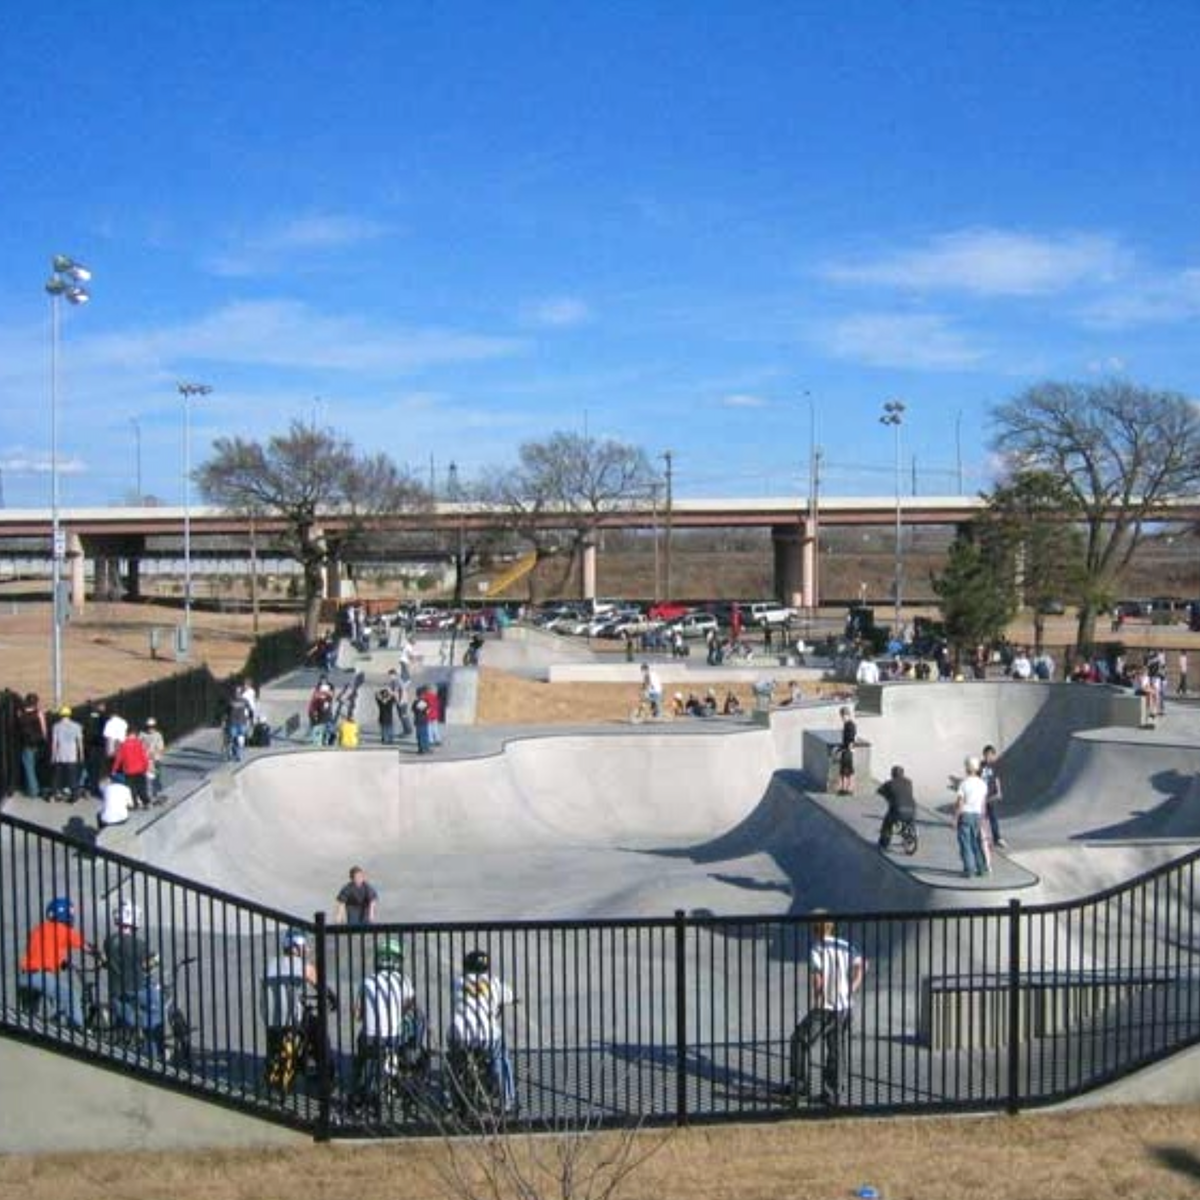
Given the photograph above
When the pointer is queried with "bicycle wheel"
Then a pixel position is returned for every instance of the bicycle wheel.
(285, 1064)
(909, 840)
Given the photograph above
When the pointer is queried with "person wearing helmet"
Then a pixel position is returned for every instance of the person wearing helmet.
(391, 1033)
(45, 967)
(134, 986)
(288, 999)
(477, 1002)
(66, 756)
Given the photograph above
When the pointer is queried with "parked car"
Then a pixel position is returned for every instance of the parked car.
(669, 610)
(695, 625)
(768, 612)
(430, 620)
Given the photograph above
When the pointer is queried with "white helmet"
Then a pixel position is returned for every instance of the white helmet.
(129, 915)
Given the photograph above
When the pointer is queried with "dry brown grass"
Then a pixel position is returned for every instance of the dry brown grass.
(108, 647)
(1117, 1152)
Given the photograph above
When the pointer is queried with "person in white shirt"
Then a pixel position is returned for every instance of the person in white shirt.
(868, 671)
(835, 974)
(477, 1002)
(652, 689)
(391, 1032)
(970, 807)
(115, 802)
(116, 730)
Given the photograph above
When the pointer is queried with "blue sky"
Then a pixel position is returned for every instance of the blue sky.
(447, 228)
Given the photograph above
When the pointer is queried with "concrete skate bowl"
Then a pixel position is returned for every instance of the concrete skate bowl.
(641, 824)
(554, 826)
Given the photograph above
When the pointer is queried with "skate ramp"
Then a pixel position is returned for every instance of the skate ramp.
(1115, 785)
(930, 728)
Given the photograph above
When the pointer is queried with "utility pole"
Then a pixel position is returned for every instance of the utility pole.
(667, 458)
(654, 526)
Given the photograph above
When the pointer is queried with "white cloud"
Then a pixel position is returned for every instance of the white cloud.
(277, 246)
(1111, 365)
(1165, 300)
(288, 334)
(20, 461)
(991, 262)
(743, 400)
(917, 341)
(558, 312)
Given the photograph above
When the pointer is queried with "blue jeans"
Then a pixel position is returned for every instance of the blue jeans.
(237, 740)
(970, 845)
(143, 1010)
(61, 1001)
(29, 765)
(422, 737)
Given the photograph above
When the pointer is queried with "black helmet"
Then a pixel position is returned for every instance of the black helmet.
(476, 962)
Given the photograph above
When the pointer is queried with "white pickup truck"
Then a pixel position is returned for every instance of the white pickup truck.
(768, 612)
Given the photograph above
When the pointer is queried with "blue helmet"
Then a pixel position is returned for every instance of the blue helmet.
(293, 941)
(61, 909)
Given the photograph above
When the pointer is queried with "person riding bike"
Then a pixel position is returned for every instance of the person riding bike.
(134, 987)
(477, 1001)
(45, 967)
(901, 807)
(289, 1010)
(391, 1035)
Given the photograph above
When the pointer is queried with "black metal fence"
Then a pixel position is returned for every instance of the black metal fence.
(180, 703)
(675, 1019)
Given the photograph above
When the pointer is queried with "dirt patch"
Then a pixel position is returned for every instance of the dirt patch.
(109, 646)
(510, 700)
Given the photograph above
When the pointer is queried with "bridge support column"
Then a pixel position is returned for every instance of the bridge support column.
(75, 570)
(790, 561)
(133, 579)
(587, 570)
(106, 584)
(333, 575)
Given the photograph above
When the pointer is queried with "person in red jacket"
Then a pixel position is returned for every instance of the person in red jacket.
(132, 761)
(435, 716)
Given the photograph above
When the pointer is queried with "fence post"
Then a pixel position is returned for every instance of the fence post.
(681, 1040)
(1014, 1006)
(324, 1072)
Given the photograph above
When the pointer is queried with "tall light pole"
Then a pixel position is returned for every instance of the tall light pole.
(66, 281)
(654, 521)
(188, 391)
(814, 508)
(893, 415)
(669, 459)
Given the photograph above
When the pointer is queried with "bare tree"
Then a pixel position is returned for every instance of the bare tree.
(562, 488)
(305, 477)
(568, 1158)
(1122, 452)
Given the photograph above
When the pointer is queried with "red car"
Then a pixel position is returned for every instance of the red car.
(668, 610)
